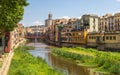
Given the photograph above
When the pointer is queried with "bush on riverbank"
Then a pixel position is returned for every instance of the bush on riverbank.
(24, 63)
(103, 61)
(28, 47)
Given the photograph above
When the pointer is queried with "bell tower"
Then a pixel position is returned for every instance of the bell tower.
(50, 16)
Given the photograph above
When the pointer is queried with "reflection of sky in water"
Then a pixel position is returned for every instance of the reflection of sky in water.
(42, 51)
(39, 52)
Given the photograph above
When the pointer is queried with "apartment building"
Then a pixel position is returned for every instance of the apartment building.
(59, 23)
(66, 31)
(117, 21)
(78, 25)
(17, 35)
(104, 23)
(90, 22)
(111, 27)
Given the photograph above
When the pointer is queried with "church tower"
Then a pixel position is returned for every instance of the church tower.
(50, 16)
(49, 21)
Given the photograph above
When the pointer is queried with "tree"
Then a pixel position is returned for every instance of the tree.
(11, 12)
(60, 27)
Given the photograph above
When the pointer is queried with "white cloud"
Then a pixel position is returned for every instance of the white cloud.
(65, 17)
(115, 12)
(21, 23)
(79, 17)
(118, 0)
(37, 23)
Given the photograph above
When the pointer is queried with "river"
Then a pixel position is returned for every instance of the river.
(64, 65)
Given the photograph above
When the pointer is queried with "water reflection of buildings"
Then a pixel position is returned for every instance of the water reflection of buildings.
(67, 66)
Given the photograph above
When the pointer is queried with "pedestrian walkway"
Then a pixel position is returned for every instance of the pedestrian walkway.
(6, 63)
(7, 60)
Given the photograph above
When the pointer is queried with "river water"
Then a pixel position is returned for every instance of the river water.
(64, 65)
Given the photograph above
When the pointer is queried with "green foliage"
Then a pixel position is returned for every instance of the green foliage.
(60, 27)
(11, 12)
(24, 63)
(103, 61)
(28, 47)
(27, 40)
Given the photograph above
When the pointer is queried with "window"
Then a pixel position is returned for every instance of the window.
(110, 37)
(103, 38)
(94, 37)
(0, 41)
(94, 20)
(73, 34)
(114, 37)
(89, 37)
(107, 38)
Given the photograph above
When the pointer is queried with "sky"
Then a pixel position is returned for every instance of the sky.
(38, 10)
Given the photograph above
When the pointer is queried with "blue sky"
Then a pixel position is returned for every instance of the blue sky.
(38, 10)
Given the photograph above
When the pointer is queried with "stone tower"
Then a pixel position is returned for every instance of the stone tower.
(49, 21)
(50, 16)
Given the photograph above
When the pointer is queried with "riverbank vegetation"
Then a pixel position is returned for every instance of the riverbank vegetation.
(23, 63)
(29, 47)
(107, 62)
